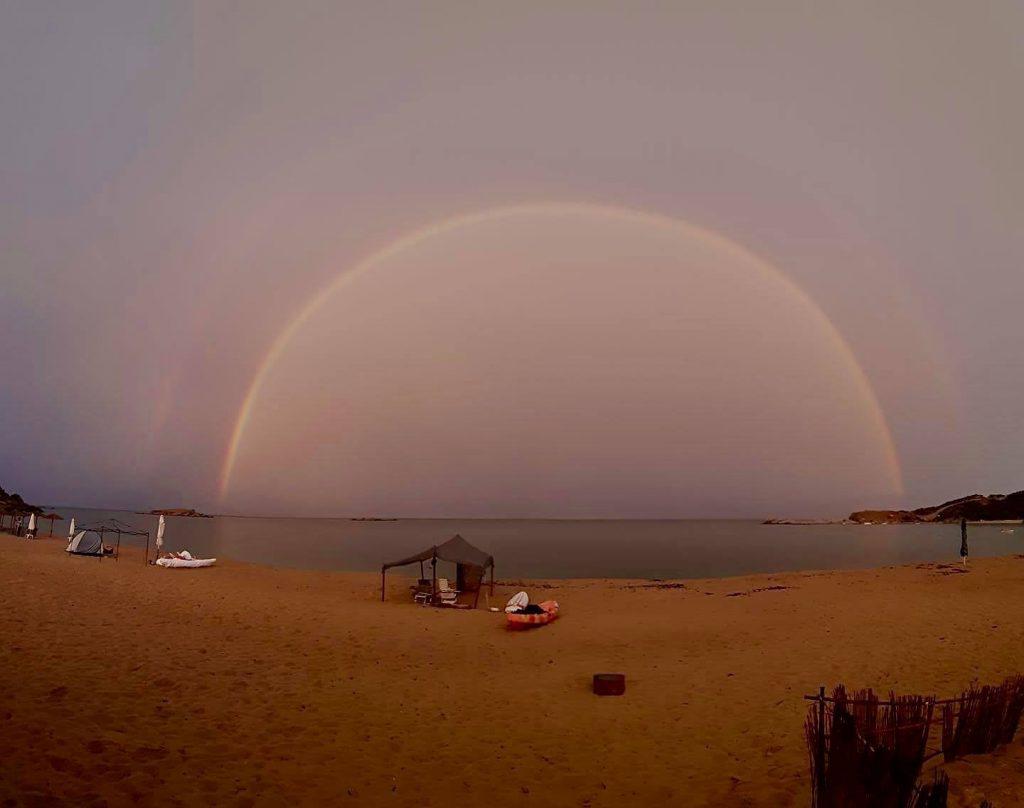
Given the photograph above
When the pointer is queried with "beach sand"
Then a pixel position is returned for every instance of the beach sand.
(243, 685)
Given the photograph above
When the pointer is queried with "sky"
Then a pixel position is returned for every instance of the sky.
(511, 259)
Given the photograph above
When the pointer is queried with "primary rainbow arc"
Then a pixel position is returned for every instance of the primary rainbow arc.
(409, 240)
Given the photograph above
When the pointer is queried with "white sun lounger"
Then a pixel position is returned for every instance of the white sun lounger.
(445, 594)
(186, 561)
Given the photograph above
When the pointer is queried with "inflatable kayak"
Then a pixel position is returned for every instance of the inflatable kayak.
(186, 562)
(520, 620)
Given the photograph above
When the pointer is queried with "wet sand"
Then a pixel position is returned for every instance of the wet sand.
(245, 685)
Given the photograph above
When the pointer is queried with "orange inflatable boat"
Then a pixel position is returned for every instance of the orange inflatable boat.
(520, 620)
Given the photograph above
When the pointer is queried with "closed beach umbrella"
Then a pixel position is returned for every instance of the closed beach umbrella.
(71, 530)
(32, 525)
(160, 534)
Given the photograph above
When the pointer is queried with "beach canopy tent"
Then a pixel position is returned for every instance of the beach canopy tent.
(89, 539)
(470, 564)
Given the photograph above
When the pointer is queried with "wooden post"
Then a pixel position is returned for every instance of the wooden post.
(51, 526)
(433, 573)
(492, 579)
(928, 727)
(819, 773)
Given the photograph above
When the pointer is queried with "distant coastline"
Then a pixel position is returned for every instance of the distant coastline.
(812, 522)
(976, 508)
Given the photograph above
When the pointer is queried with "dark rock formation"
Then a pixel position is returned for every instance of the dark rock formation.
(180, 512)
(13, 503)
(973, 508)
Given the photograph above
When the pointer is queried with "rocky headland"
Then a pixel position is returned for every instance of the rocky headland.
(973, 508)
(13, 503)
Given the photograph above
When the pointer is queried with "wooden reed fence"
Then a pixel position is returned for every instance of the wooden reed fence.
(867, 751)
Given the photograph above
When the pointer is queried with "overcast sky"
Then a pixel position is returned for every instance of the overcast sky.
(178, 183)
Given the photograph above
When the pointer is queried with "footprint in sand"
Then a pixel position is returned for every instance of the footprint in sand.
(146, 753)
(57, 694)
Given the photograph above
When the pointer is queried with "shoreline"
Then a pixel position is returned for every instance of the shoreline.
(949, 555)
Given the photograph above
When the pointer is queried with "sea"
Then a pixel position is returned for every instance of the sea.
(565, 548)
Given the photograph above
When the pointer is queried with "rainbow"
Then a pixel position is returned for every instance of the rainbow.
(415, 237)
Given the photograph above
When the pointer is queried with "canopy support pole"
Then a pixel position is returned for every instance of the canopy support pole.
(383, 572)
(433, 573)
(492, 579)
(145, 559)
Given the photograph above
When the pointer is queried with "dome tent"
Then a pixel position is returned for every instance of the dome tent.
(87, 543)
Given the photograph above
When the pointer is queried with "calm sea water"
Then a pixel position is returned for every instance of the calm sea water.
(539, 548)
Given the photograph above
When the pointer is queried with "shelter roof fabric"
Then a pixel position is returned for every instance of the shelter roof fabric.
(114, 526)
(456, 549)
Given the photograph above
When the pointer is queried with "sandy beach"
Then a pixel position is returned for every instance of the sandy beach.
(245, 685)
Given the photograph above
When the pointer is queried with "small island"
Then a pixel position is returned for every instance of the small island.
(192, 512)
